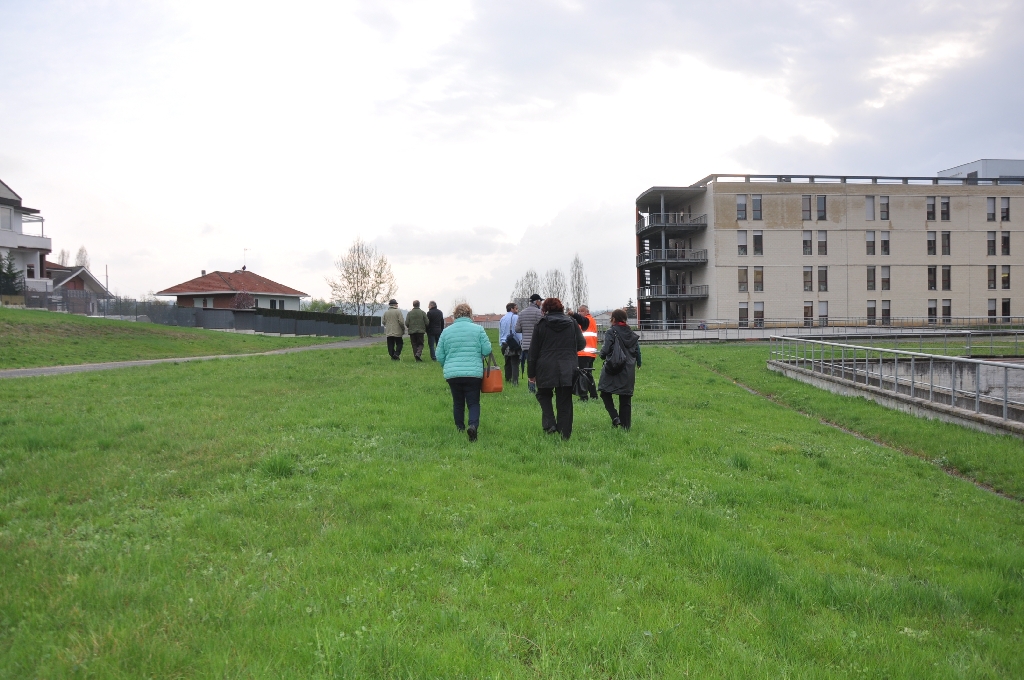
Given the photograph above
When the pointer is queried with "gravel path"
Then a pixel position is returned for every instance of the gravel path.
(82, 368)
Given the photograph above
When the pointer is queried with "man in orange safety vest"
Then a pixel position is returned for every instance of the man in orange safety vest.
(586, 356)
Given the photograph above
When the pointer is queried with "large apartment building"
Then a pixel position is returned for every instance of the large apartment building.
(800, 249)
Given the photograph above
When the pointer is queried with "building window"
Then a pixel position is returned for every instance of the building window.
(885, 243)
(931, 242)
(742, 272)
(883, 208)
(869, 208)
(944, 208)
(758, 279)
(885, 278)
(280, 304)
(808, 278)
(823, 312)
(946, 249)
(869, 240)
(947, 311)
(992, 311)
(755, 201)
(871, 312)
(741, 207)
(933, 310)
(823, 279)
(743, 315)
(1004, 209)
(759, 314)
(885, 312)
(932, 276)
(808, 312)
(990, 204)
(807, 243)
(821, 207)
(30, 271)
(1006, 277)
(758, 243)
(947, 277)
(273, 304)
(991, 243)
(822, 243)
(1006, 243)
(5, 219)
(871, 278)
(805, 206)
(929, 208)
(256, 302)
(741, 242)
(991, 277)
(1006, 310)
(204, 303)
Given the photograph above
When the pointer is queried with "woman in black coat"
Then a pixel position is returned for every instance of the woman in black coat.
(620, 383)
(552, 365)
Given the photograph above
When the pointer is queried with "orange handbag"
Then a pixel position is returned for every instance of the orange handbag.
(493, 380)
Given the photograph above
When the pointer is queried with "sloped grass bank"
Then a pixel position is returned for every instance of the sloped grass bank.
(316, 515)
(30, 338)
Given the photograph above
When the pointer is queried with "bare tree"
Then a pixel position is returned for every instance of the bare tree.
(554, 284)
(525, 287)
(243, 300)
(578, 287)
(82, 258)
(365, 281)
(63, 257)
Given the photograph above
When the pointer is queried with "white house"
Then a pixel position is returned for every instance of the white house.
(23, 237)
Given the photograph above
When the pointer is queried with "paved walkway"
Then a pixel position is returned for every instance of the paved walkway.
(83, 368)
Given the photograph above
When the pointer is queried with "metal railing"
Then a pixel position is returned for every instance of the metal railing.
(685, 220)
(682, 290)
(992, 388)
(830, 324)
(673, 255)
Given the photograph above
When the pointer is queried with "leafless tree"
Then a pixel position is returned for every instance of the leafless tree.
(62, 257)
(82, 258)
(243, 300)
(525, 287)
(364, 283)
(554, 284)
(578, 287)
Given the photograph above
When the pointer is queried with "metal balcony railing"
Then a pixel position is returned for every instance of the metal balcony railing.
(679, 291)
(672, 256)
(672, 220)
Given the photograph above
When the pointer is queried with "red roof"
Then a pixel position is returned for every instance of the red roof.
(231, 282)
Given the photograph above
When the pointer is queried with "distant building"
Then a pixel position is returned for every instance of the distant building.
(28, 249)
(217, 290)
(986, 167)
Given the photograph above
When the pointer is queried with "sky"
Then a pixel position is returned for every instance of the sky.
(468, 141)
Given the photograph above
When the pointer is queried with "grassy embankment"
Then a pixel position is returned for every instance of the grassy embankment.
(30, 338)
(316, 515)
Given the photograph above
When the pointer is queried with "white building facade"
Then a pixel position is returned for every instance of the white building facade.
(22, 236)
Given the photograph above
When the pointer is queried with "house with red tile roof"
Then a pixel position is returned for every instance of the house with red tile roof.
(217, 290)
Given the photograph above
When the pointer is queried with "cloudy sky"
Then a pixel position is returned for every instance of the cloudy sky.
(468, 140)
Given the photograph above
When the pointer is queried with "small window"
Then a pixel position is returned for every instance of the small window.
(991, 277)
(1006, 277)
(741, 242)
(1006, 310)
(805, 208)
(990, 204)
(946, 243)
(30, 271)
(869, 208)
(991, 243)
(1006, 243)
(808, 279)
(869, 240)
(755, 206)
(932, 278)
(871, 278)
(823, 279)
(280, 304)
(759, 314)
(807, 243)
(5, 219)
(758, 279)
(871, 312)
(885, 278)
(992, 310)
(947, 311)
(883, 208)
(947, 277)
(204, 303)
(255, 302)
(742, 277)
(822, 243)
(929, 208)
(944, 208)
(743, 315)
(808, 312)
(273, 304)
(885, 243)
(931, 243)
(758, 243)
(933, 310)
(741, 207)
(885, 312)
(823, 312)
(1004, 209)
(821, 208)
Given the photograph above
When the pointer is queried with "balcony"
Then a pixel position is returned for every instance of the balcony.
(671, 221)
(672, 257)
(683, 291)
(13, 239)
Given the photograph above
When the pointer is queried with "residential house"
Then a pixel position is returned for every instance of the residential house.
(22, 236)
(217, 290)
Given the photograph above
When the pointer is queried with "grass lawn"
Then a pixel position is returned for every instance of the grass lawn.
(30, 338)
(316, 515)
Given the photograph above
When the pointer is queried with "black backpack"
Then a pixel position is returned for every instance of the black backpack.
(511, 342)
(617, 357)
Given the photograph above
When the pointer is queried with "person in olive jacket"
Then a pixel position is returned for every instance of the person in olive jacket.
(394, 329)
(416, 323)
(552, 366)
(435, 326)
(621, 383)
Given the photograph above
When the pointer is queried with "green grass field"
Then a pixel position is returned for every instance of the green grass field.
(30, 338)
(316, 515)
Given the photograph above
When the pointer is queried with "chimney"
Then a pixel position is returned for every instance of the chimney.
(204, 272)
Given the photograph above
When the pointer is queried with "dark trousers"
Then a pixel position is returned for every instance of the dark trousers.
(432, 339)
(587, 364)
(465, 393)
(512, 369)
(395, 344)
(625, 414)
(522, 362)
(563, 402)
(417, 344)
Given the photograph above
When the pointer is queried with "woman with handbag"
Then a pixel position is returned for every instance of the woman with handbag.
(461, 350)
(552, 365)
(621, 354)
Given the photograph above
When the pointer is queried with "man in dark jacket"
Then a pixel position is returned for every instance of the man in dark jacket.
(435, 324)
(528, 319)
(556, 340)
(416, 322)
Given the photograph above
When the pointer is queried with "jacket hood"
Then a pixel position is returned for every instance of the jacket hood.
(626, 335)
(559, 322)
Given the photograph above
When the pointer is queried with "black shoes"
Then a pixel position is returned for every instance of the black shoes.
(472, 433)
(419, 359)
(551, 430)
(616, 422)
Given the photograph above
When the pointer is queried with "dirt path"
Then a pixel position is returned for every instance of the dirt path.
(110, 365)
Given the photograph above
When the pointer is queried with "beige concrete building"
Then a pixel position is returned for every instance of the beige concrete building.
(753, 250)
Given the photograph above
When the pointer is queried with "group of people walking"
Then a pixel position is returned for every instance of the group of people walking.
(418, 324)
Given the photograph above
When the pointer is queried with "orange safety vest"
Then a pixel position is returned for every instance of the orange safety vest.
(590, 335)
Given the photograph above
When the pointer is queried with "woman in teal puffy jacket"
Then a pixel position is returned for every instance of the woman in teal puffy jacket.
(461, 351)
